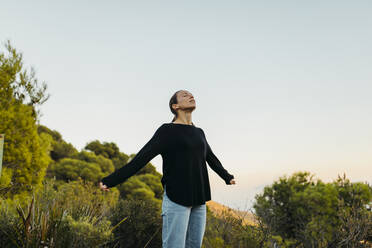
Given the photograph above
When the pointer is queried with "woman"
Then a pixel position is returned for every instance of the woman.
(185, 151)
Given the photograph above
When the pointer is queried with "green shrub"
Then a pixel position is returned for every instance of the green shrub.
(142, 228)
(72, 215)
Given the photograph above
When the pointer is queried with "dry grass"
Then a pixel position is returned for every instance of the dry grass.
(219, 209)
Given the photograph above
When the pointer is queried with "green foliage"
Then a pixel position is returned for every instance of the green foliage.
(85, 165)
(105, 164)
(154, 183)
(354, 213)
(73, 169)
(59, 147)
(126, 189)
(108, 150)
(62, 150)
(142, 187)
(56, 136)
(85, 198)
(142, 228)
(226, 230)
(17, 84)
(214, 242)
(25, 153)
(142, 193)
(5, 180)
(84, 233)
(72, 215)
(310, 213)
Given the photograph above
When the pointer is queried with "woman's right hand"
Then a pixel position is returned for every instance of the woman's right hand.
(103, 187)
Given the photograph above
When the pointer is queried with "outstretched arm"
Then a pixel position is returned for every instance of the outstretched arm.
(150, 150)
(216, 165)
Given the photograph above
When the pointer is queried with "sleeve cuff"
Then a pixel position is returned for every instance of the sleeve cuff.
(228, 179)
(105, 182)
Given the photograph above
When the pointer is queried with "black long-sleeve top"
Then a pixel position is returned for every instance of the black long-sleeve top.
(185, 151)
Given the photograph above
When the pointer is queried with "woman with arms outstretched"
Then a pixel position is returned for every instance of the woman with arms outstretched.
(185, 152)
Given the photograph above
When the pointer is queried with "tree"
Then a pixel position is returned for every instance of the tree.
(111, 150)
(132, 184)
(154, 183)
(25, 152)
(85, 165)
(17, 84)
(354, 212)
(59, 147)
(108, 150)
(310, 212)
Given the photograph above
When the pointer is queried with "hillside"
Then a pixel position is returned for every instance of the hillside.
(218, 209)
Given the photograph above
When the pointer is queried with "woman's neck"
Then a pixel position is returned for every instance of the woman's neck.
(184, 120)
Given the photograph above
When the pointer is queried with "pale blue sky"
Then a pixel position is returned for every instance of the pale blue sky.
(280, 86)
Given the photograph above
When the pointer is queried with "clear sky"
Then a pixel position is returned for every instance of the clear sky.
(280, 86)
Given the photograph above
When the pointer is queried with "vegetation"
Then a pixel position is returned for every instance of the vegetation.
(49, 195)
(26, 153)
(302, 212)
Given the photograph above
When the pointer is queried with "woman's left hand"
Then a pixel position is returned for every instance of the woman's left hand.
(103, 187)
(232, 181)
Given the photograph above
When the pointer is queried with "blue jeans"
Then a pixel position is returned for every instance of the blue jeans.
(183, 227)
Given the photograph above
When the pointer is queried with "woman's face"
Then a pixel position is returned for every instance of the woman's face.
(185, 100)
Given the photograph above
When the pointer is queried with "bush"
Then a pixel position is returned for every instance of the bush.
(142, 228)
(227, 230)
(76, 215)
